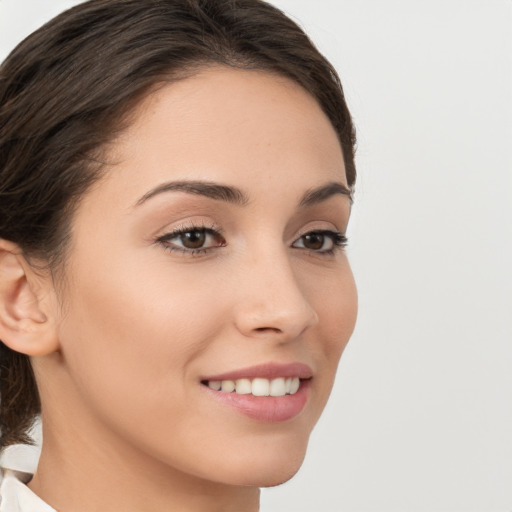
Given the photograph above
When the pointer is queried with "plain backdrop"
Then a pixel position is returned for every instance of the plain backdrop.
(421, 415)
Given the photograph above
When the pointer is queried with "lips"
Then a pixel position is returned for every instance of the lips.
(270, 392)
(266, 371)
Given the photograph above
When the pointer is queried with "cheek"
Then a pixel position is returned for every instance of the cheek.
(131, 342)
(127, 331)
(335, 301)
(343, 314)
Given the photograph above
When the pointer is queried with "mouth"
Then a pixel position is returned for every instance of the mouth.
(280, 386)
(269, 393)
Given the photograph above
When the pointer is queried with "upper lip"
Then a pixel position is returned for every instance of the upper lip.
(266, 371)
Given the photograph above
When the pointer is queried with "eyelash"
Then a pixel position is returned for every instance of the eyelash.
(339, 240)
(212, 230)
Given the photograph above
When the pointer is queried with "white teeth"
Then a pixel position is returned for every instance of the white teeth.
(215, 384)
(243, 387)
(294, 387)
(278, 387)
(258, 387)
(228, 386)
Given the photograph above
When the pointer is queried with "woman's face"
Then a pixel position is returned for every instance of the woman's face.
(212, 250)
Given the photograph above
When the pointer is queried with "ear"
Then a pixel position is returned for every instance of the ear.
(27, 320)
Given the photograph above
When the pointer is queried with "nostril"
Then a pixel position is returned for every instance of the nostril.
(265, 329)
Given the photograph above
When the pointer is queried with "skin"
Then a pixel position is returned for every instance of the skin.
(127, 423)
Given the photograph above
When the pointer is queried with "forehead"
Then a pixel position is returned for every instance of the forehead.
(246, 128)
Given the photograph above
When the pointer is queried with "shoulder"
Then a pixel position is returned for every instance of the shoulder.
(15, 496)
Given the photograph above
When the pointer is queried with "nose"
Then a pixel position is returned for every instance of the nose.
(270, 301)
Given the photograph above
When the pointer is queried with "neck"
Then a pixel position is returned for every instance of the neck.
(84, 474)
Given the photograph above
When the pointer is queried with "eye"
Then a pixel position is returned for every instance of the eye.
(324, 241)
(192, 239)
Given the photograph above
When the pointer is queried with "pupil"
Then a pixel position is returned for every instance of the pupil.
(314, 241)
(193, 239)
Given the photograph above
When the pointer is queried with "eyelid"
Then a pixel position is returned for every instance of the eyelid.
(211, 229)
(338, 239)
(189, 225)
(326, 226)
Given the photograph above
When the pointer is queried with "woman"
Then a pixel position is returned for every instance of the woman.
(176, 183)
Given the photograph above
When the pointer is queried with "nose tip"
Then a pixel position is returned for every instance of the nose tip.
(282, 310)
(267, 321)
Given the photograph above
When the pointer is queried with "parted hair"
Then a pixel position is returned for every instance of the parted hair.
(68, 89)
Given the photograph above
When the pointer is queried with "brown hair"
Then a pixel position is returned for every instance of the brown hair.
(67, 89)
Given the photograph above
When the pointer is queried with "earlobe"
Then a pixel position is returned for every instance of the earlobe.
(26, 320)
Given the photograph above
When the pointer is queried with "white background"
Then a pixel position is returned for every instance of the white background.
(421, 415)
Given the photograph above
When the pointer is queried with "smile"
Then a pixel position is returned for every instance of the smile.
(268, 393)
(280, 386)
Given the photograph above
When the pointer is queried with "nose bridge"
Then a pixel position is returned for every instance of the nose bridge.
(271, 298)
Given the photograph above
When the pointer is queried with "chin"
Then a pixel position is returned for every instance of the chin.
(271, 472)
(273, 479)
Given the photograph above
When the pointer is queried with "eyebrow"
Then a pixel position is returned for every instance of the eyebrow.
(324, 192)
(236, 196)
(201, 188)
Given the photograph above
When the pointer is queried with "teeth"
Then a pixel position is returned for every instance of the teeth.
(228, 386)
(294, 386)
(215, 384)
(258, 387)
(278, 387)
(243, 387)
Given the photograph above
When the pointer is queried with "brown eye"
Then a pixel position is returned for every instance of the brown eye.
(324, 242)
(314, 241)
(193, 239)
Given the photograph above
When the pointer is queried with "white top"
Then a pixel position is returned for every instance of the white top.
(15, 496)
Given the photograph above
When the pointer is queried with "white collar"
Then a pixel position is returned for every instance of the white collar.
(15, 496)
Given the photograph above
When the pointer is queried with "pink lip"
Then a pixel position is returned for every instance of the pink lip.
(266, 371)
(265, 408)
(268, 409)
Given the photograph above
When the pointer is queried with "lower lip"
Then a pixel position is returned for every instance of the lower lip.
(268, 409)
